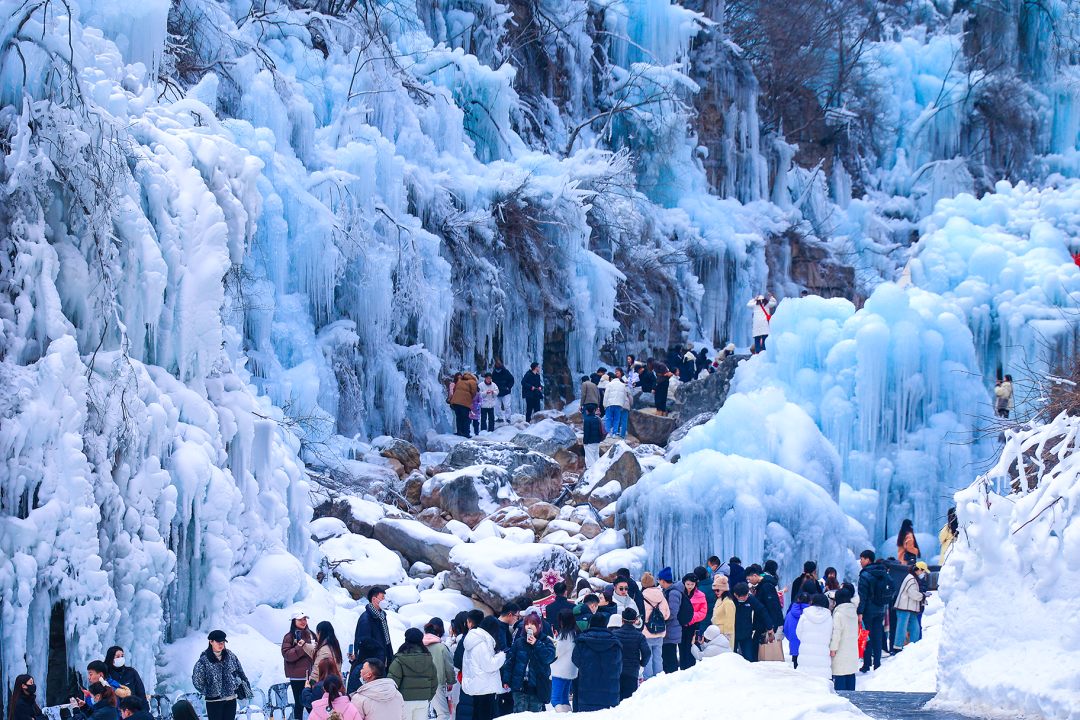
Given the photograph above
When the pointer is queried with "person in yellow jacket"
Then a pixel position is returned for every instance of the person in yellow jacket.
(947, 536)
(724, 613)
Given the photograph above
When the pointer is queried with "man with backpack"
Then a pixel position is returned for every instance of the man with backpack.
(875, 596)
(681, 613)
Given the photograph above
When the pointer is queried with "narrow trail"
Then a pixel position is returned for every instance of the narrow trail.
(899, 706)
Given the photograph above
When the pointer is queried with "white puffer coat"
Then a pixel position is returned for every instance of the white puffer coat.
(845, 640)
(761, 322)
(480, 665)
(815, 634)
(615, 393)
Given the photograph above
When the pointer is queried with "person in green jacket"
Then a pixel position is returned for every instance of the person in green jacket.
(413, 671)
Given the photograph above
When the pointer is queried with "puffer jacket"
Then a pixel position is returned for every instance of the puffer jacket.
(480, 664)
(910, 597)
(342, 705)
(723, 617)
(530, 667)
(716, 643)
(761, 321)
(654, 597)
(675, 598)
(464, 390)
(845, 640)
(870, 576)
(415, 676)
(217, 679)
(379, 700)
(598, 656)
(443, 659)
(635, 649)
(489, 394)
(769, 596)
(815, 636)
(615, 393)
(701, 607)
(791, 626)
(298, 658)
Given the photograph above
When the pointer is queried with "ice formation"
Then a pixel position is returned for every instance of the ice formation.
(1018, 548)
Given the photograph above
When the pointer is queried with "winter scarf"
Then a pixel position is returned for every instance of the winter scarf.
(381, 617)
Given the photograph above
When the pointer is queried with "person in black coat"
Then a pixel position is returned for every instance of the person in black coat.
(873, 581)
(635, 653)
(530, 659)
(22, 705)
(505, 380)
(647, 378)
(560, 603)
(464, 708)
(766, 591)
(121, 672)
(131, 709)
(532, 389)
(598, 657)
(372, 626)
(751, 622)
(736, 574)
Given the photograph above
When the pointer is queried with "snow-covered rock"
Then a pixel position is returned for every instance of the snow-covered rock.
(359, 564)
(417, 542)
(471, 493)
(532, 474)
(498, 571)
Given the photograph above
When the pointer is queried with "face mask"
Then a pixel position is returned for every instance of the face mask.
(118, 662)
(30, 690)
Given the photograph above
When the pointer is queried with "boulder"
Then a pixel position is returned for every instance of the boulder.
(539, 525)
(397, 467)
(432, 517)
(707, 395)
(414, 487)
(651, 428)
(471, 493)
(619, 463)
(511, 516)
(417, 542)
(400, 450)
(359, 564)
(543, 511)
(591, 529)
(532, 474)
(552, 414)
(606, 494)
(359, 515)
(496, 571)
(546, 436)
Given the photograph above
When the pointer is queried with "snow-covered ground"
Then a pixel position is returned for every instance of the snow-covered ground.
(914, 669)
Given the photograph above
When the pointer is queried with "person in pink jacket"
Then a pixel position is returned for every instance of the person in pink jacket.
(690, 632)
(333, 700)
(653, 597)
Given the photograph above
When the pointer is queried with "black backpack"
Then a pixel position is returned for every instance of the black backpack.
(686, 609)
(655, 623)
(883, 590)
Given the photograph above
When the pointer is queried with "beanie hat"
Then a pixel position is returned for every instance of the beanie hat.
(720, 584)
(647, 581)
(614, 621)
(666, 575)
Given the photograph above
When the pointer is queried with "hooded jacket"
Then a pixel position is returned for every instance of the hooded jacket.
(464, 390)
(815, 634)
(701, 607)
(751, 618)
(598, 656)
(379, 700)
(761, 321)
(716, 643)
(675, 598)
(480, 664)
(442, 658)
(415, 676)
(870, 576)
(635, 650)
(342, 705)
(530, 667)
(767, 593)
(845, 640)
(791, 626)
(591, 430)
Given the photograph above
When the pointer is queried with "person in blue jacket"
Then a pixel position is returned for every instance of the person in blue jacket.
(791, 622)
(530, 659)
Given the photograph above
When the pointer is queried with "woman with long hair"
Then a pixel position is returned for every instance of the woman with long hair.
(333, 700)
(327, 666)
(831, 583)
(529, 660)
(219, 676)
(23, 702)
(105, 701)
(844, 645)
(413, 671)
(907, 547)
(298, 650)
(563, 670)
(327, 646)
(909, 603)
(184, 710)
(481, 664)
(122, 672)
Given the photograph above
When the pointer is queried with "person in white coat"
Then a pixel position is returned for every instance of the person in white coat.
(763, 306)
(815, 633)
(713, 643)
(614, 396)
(844, 646)
(909, 603)
(480, 665)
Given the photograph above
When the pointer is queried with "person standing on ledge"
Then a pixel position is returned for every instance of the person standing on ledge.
(532, 389)
(505, 380)
(763, 306)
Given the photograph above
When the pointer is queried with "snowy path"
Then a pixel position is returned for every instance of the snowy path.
(899, 706)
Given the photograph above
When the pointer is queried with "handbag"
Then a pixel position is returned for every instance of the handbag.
(771, 652)
(243, 690)
(864, 635)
